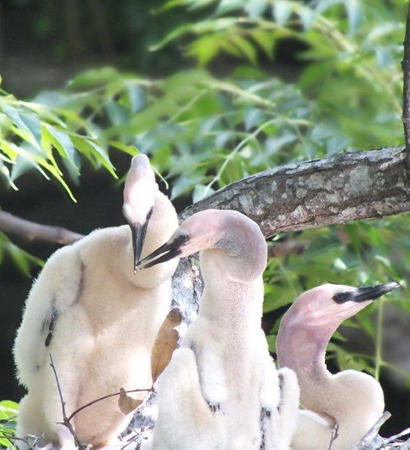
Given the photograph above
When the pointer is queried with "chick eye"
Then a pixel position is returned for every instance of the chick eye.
(342, 297)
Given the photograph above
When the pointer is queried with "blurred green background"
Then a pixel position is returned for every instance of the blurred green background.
(213, 91)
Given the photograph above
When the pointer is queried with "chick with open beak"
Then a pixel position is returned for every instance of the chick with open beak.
(221, 388)
(191, 237)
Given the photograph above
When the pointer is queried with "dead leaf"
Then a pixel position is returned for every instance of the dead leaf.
(126, 403)
(165, 343)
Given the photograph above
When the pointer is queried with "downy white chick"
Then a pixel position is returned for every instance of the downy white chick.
(221, 389)
(97, 318)
(351, 399)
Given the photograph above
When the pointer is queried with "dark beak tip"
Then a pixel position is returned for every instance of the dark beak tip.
(138, 233)
(392, 285)
(366, 293)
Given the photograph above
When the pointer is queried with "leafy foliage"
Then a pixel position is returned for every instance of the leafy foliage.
(8, 418)
(22, 260)
(353, 50)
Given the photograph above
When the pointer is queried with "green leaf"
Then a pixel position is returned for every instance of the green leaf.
(307, 17)
(62, 142)
(23, 130)
(226, 6)
(184, 184)
(275, 143)
(335, 144)
(19, 258)
(354, 14)
(91, 148)
(282, 10)
(245, 47)
(339, 264)
(117, 114)
(256, 8)
(204, 49)
(94, 77)
(200, 192)
(130, 149)
(137, 97)
(205, 26)
(8, 420)
(252, 117)
(265, 39)
(384, 57)
(6, 173)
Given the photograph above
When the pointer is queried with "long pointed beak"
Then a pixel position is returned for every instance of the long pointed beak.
(167, 251)
(366, 293)
(138, 233)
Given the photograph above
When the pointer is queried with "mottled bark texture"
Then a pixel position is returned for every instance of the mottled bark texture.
(340, 189)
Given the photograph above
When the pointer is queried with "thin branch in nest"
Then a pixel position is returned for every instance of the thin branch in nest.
(397, 436)
(66, 420)
(10, 437)
(32, 231)
(136, 437)
(151, 389)
(373, 432)
(333, 437)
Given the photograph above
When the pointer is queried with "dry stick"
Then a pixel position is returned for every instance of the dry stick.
(15, 438)
(136, 437)
(374, 430)
(66, 421)
(33, 231)
(397, 436)
(151, 389)
(333, 437)
(406, 89)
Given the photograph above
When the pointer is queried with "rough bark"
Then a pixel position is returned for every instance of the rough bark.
(347, 187)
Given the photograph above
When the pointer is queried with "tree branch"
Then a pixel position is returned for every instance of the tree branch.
(32, 231)
(340, 189)
(66, 421)
(406, 88)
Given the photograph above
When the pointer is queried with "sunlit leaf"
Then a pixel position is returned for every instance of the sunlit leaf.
(93, 77)
(282, 11)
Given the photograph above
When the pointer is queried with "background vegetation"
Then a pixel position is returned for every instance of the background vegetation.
(214, 91)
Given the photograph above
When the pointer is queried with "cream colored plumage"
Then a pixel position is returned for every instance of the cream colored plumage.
(351, 399)
(221, 389)
(97, 318)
